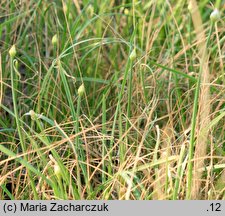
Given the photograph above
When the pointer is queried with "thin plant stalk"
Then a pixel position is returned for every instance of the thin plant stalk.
(104, 147)
(21, 137)
(194, 120)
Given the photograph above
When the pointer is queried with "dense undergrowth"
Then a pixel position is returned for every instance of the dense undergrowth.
(112, 99)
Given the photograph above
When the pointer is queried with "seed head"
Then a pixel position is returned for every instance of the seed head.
(12, 51)
(215, 15)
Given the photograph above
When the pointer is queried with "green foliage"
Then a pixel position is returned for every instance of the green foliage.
(100, 100)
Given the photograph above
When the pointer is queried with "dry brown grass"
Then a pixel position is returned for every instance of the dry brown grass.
(204, 101)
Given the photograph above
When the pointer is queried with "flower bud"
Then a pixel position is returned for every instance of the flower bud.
(215, 15)
(90, 10)
(57, 171)
(81, 90)
(121, 9)
(190, 6)
(16, 68)
(32, 114)
(133, 55)
(70, 16)
(54, 40)
(16, 64)
(12, 51)
(126, 11)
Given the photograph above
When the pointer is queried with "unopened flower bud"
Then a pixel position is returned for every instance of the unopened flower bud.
(12, 51)
(16, 64)
(126, 11)
(81, 90)
(70, 16)
(190, 6)
(54, 40)
(32, 114)
(90, 10)
(215, 15)
(133, 55)
(57, 171)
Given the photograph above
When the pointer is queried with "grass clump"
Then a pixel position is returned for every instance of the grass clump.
(112, 100)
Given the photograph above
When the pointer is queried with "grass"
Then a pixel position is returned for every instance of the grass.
(149, 122)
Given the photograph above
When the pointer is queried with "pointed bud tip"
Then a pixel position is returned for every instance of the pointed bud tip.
(54, 39)
(12, 51)
(81, 90)
(133, 55)
(90, 10)
(57, 171)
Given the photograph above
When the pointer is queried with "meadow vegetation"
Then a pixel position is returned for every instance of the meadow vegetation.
(112, 99)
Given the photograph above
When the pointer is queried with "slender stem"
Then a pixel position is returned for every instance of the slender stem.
(103, 140)
(14, 97)
(77, 144)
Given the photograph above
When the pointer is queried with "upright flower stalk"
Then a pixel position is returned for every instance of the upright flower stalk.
(12, 54)
(13, 71)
